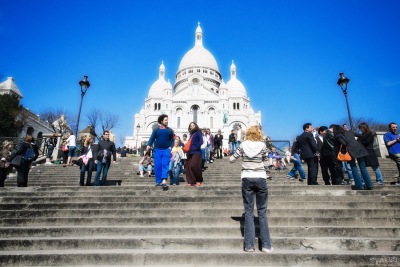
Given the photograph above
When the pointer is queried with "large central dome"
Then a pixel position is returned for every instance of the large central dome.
(198, 56)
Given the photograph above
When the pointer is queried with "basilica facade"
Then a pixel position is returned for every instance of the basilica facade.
(199, 94)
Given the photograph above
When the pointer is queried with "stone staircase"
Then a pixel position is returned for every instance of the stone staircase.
(131, 222)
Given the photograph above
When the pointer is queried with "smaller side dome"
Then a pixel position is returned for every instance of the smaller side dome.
(158, 86)
(235, 87)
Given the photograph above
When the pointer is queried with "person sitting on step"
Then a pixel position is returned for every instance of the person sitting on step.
(146, 164)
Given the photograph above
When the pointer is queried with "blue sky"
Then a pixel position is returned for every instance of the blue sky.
(288, 54)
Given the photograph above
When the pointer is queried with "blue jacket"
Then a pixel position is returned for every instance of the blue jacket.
(197, 141)
(162, 138)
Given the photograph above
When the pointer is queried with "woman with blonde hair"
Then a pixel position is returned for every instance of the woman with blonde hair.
(254, 183)
(5, 167)
(88, 162)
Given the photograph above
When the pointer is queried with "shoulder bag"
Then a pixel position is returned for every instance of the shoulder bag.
(343, 156)
(186, 148)
(16, 161)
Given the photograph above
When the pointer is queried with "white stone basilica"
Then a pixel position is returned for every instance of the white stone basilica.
(199, 94)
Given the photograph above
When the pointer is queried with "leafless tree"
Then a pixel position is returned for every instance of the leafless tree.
(374, 125)
(93, 119)
(104, 119)
(122, 139)
(109, 121)
(59, 119)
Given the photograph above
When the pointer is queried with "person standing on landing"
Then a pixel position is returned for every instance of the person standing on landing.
(254, 183)
(163, 139)
(392, 142)
(194, 161)
(71, 143)
(102, 155)
(309, 153)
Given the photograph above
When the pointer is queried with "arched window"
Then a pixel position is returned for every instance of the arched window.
(159, 106)
(155, 106)
(237, 106)
(195, 110)
(211, 122)
(178, 122)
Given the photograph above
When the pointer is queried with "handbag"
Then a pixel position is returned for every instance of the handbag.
(343, 156)
(64, 148)
(16, 161)
(186, 148)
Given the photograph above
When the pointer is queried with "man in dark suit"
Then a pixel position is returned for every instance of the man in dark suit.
(218, 144)
(323, 160)
(309, 153)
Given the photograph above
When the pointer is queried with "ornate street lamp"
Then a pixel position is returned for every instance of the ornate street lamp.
(342, 82)
(137, 137)
(84, 86)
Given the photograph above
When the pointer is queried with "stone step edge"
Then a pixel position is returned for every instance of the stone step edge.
(206, 252)
(191, 237)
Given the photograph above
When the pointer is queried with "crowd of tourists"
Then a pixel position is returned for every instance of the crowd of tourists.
(322, 147)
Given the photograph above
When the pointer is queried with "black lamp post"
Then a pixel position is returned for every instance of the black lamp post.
(137, 137)
(84, 86)
(342, 82)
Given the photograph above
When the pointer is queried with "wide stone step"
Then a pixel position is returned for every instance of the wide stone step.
(202, 205)
(204, 220)
(216, 212)
(198, 231)
(189, 242)
(391, 192)
(197, 257)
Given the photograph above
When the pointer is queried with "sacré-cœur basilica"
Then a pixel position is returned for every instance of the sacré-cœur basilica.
(199, 94)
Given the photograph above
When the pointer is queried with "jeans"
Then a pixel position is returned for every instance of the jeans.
(147, 169)
(175, 170)
(297, 167)
(50, 150)
(364, 173)
(237, 144)
(232, 147)
(71, 151)
(346, 165)
(209, 152)
(203, 154)
(102, 166)
(161, 164)
(378, 174)
(257, 187)
(89, 169)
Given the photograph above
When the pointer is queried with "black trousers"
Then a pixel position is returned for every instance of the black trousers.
(335, 169)
(312, 164)
(22, 173)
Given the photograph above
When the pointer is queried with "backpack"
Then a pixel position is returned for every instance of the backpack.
(29, 153)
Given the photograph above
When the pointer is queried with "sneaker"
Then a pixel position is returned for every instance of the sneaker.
(379, 183)
(211, 161)
(141, 175)
(157, 184)
(249, 250)
(266, 250)
(302, 180)
(164, 187)
(289, 177)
